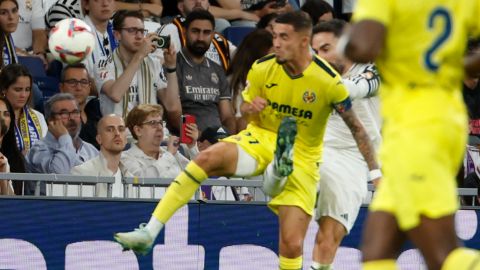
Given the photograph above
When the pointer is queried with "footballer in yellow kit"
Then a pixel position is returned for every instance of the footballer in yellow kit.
(309, 97)
(425, 121)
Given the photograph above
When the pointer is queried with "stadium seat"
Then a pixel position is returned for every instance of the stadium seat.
(48, 85)
(34, 65)
(235, 34)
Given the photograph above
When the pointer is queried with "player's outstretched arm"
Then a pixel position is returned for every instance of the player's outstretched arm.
(363, 42)
(361, 137)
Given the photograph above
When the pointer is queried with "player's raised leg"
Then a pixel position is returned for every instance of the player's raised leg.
(275, 176)
(219, 159)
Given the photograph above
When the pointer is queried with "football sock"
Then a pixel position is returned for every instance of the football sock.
(154, 226)
(386, 264)
(273, 184)
(462, 258)
(319, 266)
(179, 192)
(291, 264)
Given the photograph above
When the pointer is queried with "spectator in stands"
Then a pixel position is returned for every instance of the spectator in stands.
(75, 80)
(220, 50)
(267, 21)
(63, 9)
(30, 125)
(132, 77)
(319, 10)
(97, 16)
(255, 45)
(6, 187)
(9, 19)
(151, 9)
(258, 7)
(204, 89)
(112, 139)
(8, 146)
(146, 157)
(61, 149)
(30, 37)
(471, 96)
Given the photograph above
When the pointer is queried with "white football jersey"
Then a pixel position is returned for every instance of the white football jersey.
(362, 82)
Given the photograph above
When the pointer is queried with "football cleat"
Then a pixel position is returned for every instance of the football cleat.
(283, 159)
(139, 240)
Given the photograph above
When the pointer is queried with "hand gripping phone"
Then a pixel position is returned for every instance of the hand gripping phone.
(186, 119)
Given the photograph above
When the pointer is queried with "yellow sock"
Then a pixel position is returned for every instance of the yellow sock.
(387, 264)
(291, 264)
(462, 258)
(179, 191)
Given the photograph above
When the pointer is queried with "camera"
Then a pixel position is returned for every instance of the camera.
(163, 42)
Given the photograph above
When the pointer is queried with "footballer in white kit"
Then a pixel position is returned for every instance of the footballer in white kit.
(344, 173)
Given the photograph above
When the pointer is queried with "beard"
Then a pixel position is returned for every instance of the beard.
(198, 48)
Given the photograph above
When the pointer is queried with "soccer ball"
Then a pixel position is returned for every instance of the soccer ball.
(71, 40)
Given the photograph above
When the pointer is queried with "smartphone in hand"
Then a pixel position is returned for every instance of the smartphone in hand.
(186, 119)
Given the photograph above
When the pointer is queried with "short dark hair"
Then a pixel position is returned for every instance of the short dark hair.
(121, 15)
(70, 66)
(316, 8)
(298, 19)
(199, 14)
(334, 26)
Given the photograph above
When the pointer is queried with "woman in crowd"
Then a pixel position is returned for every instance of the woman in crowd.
(11, 160)
(15, 86)
(254, 46)
(146, 157)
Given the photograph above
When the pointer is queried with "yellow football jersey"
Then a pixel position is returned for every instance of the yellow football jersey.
(309, 97)
(427, 37)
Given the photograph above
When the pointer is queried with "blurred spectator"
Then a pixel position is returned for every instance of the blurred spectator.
(9, 145)
(132, 77)
(258, 7)
(255, 45)
(112, 139)
(211, 136)
(30, 125)
(319, 10)
(30, 37)
(267, 21)
(63, 9)
(204, 90)
(97, 16)
(343, 8)
(151, 9)
(6, 187)
(471, 96)
(220, 50)
(146, 157)
(61, 149)
(75, 80)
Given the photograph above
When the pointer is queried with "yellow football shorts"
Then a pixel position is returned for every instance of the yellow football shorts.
(301, 186)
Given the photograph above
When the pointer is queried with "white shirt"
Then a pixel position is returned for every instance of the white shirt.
(100, 53)
(366, 107)
(98, 167)
(30, 19)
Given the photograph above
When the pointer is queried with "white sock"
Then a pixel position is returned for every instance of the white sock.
(319, 266)
(272, 183)
(154, 226)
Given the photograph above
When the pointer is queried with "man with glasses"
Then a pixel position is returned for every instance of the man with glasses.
(131, 76)
(76, 81)
(61, 149)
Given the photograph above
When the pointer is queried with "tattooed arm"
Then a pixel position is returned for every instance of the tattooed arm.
(360, 135)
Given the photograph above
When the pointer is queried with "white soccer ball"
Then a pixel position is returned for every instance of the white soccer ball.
(71, 40)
